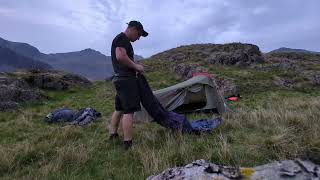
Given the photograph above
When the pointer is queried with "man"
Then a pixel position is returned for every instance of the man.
(127, 100)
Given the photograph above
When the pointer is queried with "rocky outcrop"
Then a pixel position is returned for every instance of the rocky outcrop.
(284, 82)
(186, 70)
(296, 68)
(227, 87)
(226, 54)
(14, 91)
(24, 86)
(281, 62)
(243, 56)
(202, 170)
(312, 76)
(53, 80)
(291, 50)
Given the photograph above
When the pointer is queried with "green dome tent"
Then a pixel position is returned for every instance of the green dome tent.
(198, 93)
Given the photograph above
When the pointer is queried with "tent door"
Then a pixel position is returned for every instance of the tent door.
(193, 101)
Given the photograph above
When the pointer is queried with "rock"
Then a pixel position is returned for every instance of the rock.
(228, 54)
(236, 54)
(316, 79)
(227, 87)
(284, 66)
(299, 64)
(53, 80)
(284, 82)
(308, 166)
(184, 70)
(293, 56)
(23, 86)
(295, 62)
(14, 91)
(202, 170)
(289, 168)
(224, 58)
(187, 70)
(8, 105)
(178, 57)
(312, 76)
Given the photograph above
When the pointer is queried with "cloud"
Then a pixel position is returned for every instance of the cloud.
(74, 25)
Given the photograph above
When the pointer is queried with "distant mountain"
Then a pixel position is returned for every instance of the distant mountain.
(20, 48)
(288, 50)
(10, 61)
(89, 63)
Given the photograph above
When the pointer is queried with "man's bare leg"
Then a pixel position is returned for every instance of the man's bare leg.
(127, 126)
(115, 120)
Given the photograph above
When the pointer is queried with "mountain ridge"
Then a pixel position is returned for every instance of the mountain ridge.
(10, 61)
(288, 50)
(87, 62)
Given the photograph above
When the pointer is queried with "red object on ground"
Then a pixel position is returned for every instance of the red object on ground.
(233, 98)
(202, 74)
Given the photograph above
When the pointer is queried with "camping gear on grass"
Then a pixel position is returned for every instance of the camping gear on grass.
(60, 115)
(83, 117)
(233, 98)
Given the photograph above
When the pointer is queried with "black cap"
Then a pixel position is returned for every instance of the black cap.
(139, 27)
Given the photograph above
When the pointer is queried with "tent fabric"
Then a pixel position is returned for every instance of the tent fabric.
(174, 96)
(199, 88)
(85, 116)
(169, 119)
(205, 125)
(60, 115)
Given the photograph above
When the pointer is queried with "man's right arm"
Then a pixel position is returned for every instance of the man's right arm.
(122, 57)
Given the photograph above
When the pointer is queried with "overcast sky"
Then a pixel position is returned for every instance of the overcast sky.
(71, 25)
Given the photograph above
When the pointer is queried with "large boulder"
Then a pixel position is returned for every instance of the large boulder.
(312, 76)
(226, 54)
(178, 57)
(227, 87)
(14, 91)
(24, 86)
(277, 62)
(186, 70)
(280, 170)
(52, 79)
(306, 66)
(245, 55)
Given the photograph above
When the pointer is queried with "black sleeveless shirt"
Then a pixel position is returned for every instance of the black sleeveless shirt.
(121, 40)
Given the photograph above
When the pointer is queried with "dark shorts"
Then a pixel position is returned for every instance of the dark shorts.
(128, 97)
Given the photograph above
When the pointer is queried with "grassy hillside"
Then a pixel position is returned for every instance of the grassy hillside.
(269, 123)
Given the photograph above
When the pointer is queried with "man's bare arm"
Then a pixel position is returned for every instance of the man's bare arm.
(122, 57)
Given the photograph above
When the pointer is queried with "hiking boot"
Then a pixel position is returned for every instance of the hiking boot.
(127, 145)
(113, 137)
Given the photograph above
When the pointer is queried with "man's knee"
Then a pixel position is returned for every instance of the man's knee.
(128, 115)
(118, 112)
